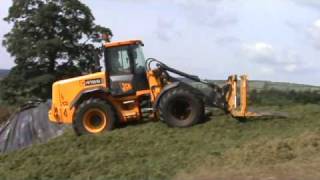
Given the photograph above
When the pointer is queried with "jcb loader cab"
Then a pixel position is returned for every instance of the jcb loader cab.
(131, 87)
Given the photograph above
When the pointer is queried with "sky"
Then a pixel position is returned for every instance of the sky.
(276, 40)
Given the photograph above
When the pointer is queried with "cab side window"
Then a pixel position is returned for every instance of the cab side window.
(119, 61)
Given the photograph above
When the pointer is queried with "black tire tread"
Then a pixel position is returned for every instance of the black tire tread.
(173, 92)
(77, 123)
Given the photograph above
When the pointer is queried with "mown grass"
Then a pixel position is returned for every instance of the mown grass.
(154, 151)
(292, 158)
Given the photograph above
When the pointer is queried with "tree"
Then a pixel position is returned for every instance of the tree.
(49, 40)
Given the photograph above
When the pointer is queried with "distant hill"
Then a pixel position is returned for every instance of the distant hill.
(259, 85)
(3, 73)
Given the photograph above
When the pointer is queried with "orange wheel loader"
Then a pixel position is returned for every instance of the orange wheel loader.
(131, 87)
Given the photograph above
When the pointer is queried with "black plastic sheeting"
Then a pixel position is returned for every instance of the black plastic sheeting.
(28, 126)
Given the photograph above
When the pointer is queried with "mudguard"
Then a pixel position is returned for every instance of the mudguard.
(86, 92)
(164, 90)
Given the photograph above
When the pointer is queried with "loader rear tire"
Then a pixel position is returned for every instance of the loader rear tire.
(180, 107)
(94, 116)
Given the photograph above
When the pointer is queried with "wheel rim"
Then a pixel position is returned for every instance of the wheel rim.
(95, 120)
(181, 109)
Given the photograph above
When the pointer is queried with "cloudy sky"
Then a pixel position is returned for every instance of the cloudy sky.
(276, 40)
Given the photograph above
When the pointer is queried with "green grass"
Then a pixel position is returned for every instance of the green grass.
(154, 151)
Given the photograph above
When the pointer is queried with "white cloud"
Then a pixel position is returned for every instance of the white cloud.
(314, 32)
(260, 52)
(317, 24)
(272, 60)
(315, 4)
(227, 40)
(291, 67)
(166, 29)
(210, 13)
(267, 70)
(193, 3)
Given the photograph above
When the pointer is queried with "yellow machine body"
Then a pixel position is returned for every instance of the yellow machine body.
(67, 94)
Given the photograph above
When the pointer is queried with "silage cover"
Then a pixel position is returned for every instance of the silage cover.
(27, 127)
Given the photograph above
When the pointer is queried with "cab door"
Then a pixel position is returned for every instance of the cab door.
(120, 69)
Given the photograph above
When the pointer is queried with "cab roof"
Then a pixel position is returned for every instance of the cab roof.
(122, 43)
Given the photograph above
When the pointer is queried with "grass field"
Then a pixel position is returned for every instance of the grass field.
(221, 148)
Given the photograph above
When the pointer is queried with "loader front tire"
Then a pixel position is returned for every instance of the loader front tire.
(94, 116)
(181, 108)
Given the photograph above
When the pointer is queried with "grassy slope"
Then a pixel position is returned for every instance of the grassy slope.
(154, 151)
